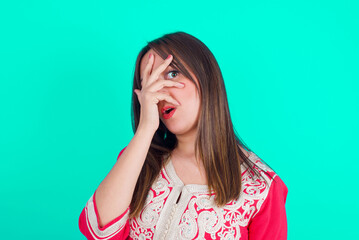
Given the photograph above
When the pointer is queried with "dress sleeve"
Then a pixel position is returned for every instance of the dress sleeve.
(117, 229)
(270, 222)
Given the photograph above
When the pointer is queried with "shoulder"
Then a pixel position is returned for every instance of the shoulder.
(265, 190)
(269, 219)
(262, 195)
(269, 179)
(261, 166)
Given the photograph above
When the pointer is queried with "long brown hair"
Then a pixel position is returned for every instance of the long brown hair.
(217, 144)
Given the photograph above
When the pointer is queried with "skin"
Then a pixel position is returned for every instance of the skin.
(114, 194)
(184, 121)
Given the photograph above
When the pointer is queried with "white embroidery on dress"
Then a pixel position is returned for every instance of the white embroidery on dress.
(202, 219)
(91, 220)
(143, 227)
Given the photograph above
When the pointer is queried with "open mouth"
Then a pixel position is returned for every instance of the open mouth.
(167, 112)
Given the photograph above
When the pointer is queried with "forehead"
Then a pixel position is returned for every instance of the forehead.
(158, 60)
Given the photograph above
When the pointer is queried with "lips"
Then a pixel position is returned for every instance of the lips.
(168, 111)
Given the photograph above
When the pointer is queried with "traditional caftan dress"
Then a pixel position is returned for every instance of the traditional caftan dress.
(177, 211)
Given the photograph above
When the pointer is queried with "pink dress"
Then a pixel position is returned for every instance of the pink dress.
(258, 214)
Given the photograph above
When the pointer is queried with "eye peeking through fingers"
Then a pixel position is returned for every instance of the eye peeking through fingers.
(172, 74)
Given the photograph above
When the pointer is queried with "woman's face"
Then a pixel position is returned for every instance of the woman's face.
(185, 116)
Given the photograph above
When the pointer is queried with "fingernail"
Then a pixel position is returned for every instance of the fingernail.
(168, 57)
(150, 56)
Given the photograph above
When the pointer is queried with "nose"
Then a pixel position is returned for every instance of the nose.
(167, 91)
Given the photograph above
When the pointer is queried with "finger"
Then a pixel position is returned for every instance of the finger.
(165, 97)
(158, 85)
(138, 94)
(155, 73)
(147, 70)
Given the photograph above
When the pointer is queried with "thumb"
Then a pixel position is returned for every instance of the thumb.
(138, 92)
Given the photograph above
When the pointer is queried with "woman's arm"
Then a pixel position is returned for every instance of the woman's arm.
(117, 229)
(114, 194)
(106, 214)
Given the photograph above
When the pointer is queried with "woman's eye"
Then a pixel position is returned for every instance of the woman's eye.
(172, 74)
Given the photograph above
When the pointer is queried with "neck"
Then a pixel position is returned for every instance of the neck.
(186, 146)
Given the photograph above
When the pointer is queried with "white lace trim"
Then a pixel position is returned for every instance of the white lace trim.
(91, 220)
(196, 215)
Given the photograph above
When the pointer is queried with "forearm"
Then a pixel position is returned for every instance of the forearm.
(114, 194)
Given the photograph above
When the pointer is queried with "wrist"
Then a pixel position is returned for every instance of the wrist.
(145, 130)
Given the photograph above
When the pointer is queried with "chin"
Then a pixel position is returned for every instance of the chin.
(174, 130)
(179, 129)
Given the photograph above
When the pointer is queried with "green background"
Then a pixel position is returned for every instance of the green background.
(66, 68)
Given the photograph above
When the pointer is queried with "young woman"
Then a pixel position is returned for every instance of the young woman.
(185, 174)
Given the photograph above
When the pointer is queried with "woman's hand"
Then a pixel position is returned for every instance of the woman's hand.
(149, 96)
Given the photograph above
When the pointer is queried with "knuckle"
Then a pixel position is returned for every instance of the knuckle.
(149, 79)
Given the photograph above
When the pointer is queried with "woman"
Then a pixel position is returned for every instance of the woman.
(185, 174)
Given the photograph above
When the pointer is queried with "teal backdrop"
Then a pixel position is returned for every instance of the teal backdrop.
(291, 74)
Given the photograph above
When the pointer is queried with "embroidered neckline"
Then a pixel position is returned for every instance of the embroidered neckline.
(193, 188)
(178, 182)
